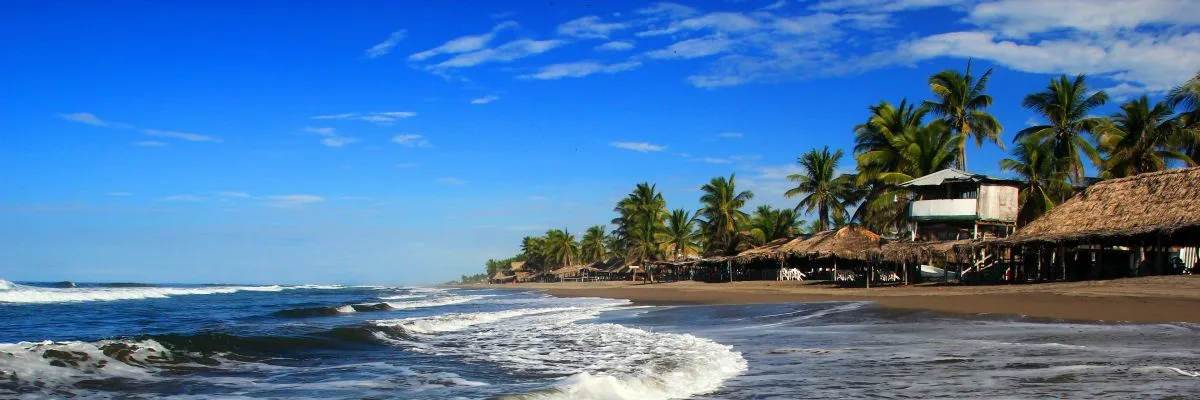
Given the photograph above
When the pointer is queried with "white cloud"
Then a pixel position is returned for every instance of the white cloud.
(451, 181)
(507, 52)
(718, 21)
(1018, 18)
(385, 46)
(485, 99)
(667, 10)
(776, 5)
(692, 48)
(191, 137)
(85, 118)
(185, 198)
(118, 194)
(579, 69)
(883, 5)
(730, 135)
(379, 118)
(235, 194)
(615, 45)
(293, 200)
(642, 147)
(712, 160)
(331, 137)
(589, 27)
(463, 44)
(410, 140)
(1154, 62)
(149, 143)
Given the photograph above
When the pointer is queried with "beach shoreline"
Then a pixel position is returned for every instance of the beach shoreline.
(1159, 299)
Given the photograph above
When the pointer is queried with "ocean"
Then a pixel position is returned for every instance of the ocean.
(133, 341)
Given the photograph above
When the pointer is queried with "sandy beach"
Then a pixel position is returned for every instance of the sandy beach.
(1148, 299)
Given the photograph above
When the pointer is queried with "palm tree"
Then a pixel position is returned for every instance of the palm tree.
(592, 245)
(533, 249)
(961, 103)
(680, 237)
(824, 190)
(769, 223)
(1187, 95)
(1066, 104)
(641, 215)
(879, 145)
(1139, 139)
(722, 213)
(561, 249)
(1045, 183)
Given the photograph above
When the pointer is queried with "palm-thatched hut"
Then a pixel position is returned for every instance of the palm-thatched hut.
(848, 243)
(1109, 227)
(500, 277)
(909, 255)
(574, 272)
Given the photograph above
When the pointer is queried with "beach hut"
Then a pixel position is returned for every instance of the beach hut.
(909, 256)
(952, 205)
(575, 272)
(500, 277)
(1118, 227)
(849, 243)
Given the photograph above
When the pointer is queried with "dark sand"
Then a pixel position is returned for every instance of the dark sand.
(1149, 299)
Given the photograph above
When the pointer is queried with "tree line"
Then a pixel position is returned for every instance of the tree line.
(899, 142)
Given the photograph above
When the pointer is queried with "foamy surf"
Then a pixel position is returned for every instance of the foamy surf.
(13, 293)
(458, 321)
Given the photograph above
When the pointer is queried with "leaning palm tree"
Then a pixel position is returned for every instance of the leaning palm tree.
(879, 145)
(961, 103)
(592, 245)
(820, 184)
(1187, 97)
(722, 214)
(1045, 183)
(769, 223)
(561, 248)
(1066, 104)
(641, 216)
(680, 238)
(1139, 139)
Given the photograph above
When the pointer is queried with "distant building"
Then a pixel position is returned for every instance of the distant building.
(951, 205)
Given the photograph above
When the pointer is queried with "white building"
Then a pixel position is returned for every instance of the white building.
(951, 204)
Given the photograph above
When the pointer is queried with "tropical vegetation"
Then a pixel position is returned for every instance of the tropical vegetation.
(1053, 158)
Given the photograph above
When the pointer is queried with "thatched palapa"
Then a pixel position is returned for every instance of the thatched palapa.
(1148, 207)
(769, 251)
(952, 251)
(850, 243)
(573, 270)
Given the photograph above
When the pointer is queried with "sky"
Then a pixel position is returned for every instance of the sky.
(408, 142)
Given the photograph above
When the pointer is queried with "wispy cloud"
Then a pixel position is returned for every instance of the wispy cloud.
(293, 200)
(579, 69)
(184, 198)
(187, 136)
(410, 140)
(693, 48)
(730, 135)
(385, 46)
(463, 44)
(451, 181)
(507, 52)
(235, 194)
(712, 160)
(638, 146)
(589, 27)
(331, 137)
(85, 118)
(379, 118)
(616, 45)
(485, 99)
(149, 143)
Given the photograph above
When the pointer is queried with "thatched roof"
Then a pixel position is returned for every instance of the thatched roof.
(1164, 204)
(769, 251)
(896, 252)
(523, 276)
(517, 266)
(850, 242)
(573, 269)
(500, 276)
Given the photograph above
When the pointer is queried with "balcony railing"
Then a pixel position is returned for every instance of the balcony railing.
(943, 209)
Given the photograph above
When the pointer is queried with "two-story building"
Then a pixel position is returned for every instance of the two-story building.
(951, 204)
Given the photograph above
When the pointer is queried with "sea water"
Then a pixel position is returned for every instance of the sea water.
(328, 341)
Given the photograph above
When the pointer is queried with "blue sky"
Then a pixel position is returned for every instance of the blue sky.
(407, 142)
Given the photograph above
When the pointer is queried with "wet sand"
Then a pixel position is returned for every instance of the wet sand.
(1149, 299)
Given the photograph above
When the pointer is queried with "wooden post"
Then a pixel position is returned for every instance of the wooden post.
(1160, 258)
(904, 266)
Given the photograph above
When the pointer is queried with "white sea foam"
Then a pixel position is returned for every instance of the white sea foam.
(29, 362)
(458, 321)
(13, 293)
(403, 297)
(599, 361)
(434, 302)
(346, 309)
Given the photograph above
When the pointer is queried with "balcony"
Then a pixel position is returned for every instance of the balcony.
(943, 210)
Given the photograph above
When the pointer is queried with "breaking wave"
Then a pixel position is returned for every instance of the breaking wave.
(310, 312)
(23, 294)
